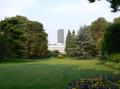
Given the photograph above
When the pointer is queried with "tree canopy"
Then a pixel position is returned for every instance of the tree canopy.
(69, 42)
(80, 44)
(111, 39)
(97, 30)
(114, 4)
(20, 37)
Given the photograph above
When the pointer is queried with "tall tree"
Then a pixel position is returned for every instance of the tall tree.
(84, 43)
(69, 40)
(14, 37)
(97, 30)
(73, 44)
(36, 44)
(39, 40)
(115, 4)
(21, 37)
(116, 20)
(111, 41)
(73, 32)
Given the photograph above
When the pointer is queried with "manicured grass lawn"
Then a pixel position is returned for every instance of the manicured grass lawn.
(48, 73)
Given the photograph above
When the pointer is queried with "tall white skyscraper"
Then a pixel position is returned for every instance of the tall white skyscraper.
(60, 36)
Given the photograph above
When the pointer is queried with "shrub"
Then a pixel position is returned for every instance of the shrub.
(114, 57)
(55, 53)
(61, 56)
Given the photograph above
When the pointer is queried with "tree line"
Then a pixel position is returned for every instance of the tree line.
(22, 38)
(101, 38)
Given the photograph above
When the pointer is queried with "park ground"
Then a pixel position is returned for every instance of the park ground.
(49, 73)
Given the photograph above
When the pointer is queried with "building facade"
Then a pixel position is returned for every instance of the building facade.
(59, 47)
(60, 36)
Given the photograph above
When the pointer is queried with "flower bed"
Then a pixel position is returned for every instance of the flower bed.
(103, 82)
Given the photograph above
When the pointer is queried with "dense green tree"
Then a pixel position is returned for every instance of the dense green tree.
(20, 37)
(12, 37)
(80, 45)
(68, 44)
(84, 43)
(5, 49)
(73, 32)
(97, 30)
(73, 44)
(115, 4)
(116, 20)
(36, 44)
(111, 39)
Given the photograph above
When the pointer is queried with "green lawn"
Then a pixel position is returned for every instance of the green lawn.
(49, 73)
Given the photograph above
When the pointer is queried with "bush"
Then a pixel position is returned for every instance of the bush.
(55, 53)
(61, 56)
(104, 82)
(114, 57)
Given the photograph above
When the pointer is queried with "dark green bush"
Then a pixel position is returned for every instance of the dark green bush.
(61, 56)
(55, 53)
(114, 57)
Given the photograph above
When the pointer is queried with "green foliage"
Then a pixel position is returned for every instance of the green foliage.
(115, 4)
(112, 64)
(20, 37)
(84, 45)
(69, 43)
(55, 53)
(97, 30)
(114, 58)
(13, 37)
(116, 20)
(61, 56)
(112, 39)
(80, 45)
(110, 44)
(5, 47)
(36, 44)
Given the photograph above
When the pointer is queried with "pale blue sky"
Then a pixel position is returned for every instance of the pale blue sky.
(57, 14)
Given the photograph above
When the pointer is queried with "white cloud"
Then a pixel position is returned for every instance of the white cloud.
(14, 7)
(80, 7)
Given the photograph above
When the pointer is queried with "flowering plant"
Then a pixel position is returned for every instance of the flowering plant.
(101, 82)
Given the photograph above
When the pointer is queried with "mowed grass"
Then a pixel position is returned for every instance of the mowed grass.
(50, 73)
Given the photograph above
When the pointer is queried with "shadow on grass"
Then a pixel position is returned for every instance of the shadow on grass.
(21, 60)
(109, 65)
(44, 76)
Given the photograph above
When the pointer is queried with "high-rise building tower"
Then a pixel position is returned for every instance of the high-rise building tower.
(60, 36)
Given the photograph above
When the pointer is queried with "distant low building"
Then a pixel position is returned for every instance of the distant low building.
(59, 47)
